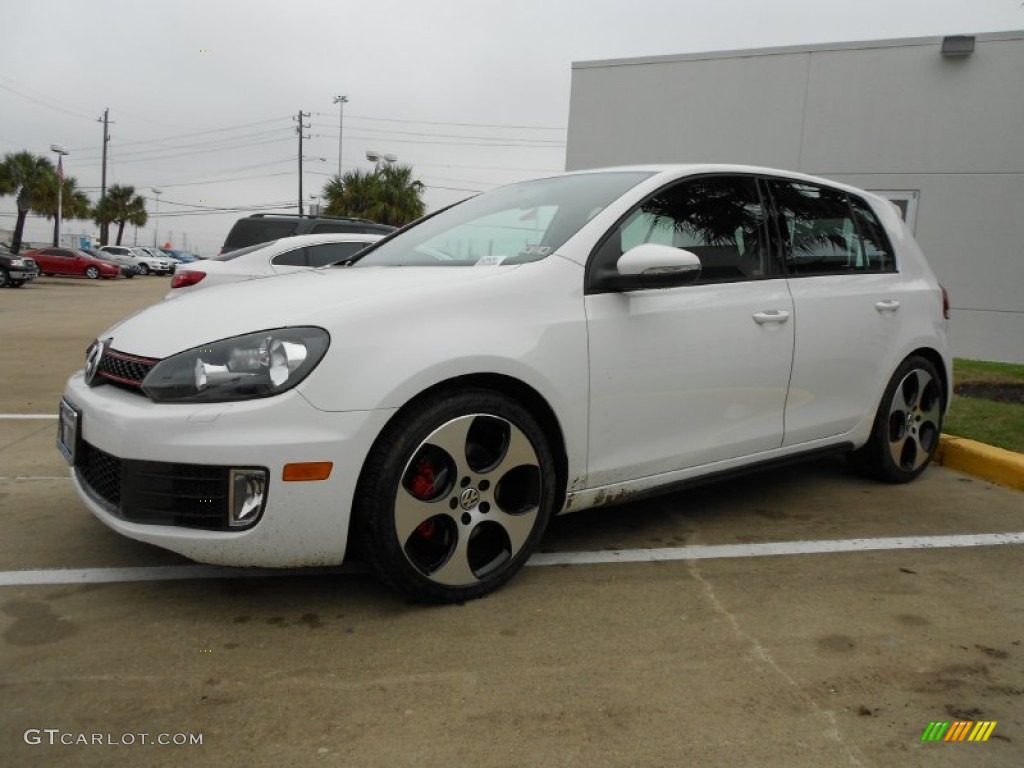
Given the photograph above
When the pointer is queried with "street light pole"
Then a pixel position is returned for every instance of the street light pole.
(60, 190)
(156, 228)
(341, 101)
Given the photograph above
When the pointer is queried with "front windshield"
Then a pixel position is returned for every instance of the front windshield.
(510, 225)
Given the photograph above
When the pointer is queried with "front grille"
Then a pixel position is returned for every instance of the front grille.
(125, 370)
(157, 492)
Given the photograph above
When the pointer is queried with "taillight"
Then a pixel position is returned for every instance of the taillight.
(185, 279)
(945, 302)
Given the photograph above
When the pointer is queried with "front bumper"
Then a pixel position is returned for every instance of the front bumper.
(303, 523)
(22, 274)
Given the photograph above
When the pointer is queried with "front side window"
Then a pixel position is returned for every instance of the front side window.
(826, 231)
(720, 219)
(510, 225)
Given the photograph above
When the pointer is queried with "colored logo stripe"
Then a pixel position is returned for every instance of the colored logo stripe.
(959, 730)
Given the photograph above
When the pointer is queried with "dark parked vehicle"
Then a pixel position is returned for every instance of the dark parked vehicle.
(71, 261)
(263, 227)
(16, 270)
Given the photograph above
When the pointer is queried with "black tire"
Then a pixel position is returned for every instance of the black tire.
(143, 269)
(15, 283)
(92, 272)
(470, 522)
(5, 278)
(906, 430)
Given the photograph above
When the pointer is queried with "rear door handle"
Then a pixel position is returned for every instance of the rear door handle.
(887, 306)
(771, 316)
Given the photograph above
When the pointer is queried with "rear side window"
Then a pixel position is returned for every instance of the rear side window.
(826, 231)
(329, 253)
(293, 258)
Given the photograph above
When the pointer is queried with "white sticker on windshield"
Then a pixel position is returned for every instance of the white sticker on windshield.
(489, 261)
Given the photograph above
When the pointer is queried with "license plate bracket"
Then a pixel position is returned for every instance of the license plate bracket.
(69, 431)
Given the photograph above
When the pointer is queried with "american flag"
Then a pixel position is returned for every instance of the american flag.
(60, 169)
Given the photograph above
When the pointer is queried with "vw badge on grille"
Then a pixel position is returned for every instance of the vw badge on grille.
(92, 362)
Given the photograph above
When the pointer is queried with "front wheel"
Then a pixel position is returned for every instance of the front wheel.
(907, 426)
(455, 496)
(92, 273)
(15, 283)
(143, 269)
(5, 278)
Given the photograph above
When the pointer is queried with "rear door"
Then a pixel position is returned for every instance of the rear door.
(846, 300)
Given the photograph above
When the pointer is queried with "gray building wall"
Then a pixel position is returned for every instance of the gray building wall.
(886, 115)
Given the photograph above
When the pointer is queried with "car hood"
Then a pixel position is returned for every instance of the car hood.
(332, 298)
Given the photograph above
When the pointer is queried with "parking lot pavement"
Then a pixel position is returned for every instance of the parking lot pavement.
(793, 660)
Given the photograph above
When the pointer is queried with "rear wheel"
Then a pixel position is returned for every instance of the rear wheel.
(92, 272)
(455, 496)
(15, 283)
(907, 426)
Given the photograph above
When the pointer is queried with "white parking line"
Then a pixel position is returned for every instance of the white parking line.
(718, 551)
(27, 416)
(38, 477)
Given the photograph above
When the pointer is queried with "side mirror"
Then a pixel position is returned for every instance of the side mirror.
(650, 265)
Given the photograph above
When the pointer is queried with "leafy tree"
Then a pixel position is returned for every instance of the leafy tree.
(24, 175)
(389, 194)
(121, 205)
(75, 204)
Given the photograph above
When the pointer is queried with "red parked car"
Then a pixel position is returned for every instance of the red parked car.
(69, 261)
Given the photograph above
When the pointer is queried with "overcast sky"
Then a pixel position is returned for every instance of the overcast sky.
(471, 93)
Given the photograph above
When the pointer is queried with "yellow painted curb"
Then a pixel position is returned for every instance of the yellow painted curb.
(985, 461)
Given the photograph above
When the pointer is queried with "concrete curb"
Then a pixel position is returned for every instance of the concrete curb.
(985, 461)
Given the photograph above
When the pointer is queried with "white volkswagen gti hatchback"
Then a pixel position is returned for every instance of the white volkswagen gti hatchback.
(275, 257)
(542, 348)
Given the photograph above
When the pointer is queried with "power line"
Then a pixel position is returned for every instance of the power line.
(225, 141)
(187, 135)
(458, 136)
(464, 125)
(196, 152)
(45, 104)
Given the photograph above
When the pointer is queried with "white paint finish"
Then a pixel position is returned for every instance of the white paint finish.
(671, 382)
(28, 416)
(304, 523)
(685, 376)
(260, 262)
(42, 577)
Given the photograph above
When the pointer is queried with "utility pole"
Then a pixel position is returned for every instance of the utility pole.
(341, 101)
(103, 184)
(299, 127)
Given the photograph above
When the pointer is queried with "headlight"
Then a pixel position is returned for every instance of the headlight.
(241, 368)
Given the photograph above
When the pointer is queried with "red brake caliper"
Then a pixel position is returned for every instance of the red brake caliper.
(422, 487)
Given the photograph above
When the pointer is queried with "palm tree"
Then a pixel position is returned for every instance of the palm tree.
(401, 199)
(120, 205)
(75, 204)
(388, 195)
(352, 194)
(24, 175)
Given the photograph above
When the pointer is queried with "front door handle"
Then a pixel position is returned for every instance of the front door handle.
(887, 306)
(771, 316)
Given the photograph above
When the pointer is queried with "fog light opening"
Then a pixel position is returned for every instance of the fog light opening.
(248, 491)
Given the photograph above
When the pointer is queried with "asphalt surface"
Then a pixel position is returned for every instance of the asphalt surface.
(830, 659)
